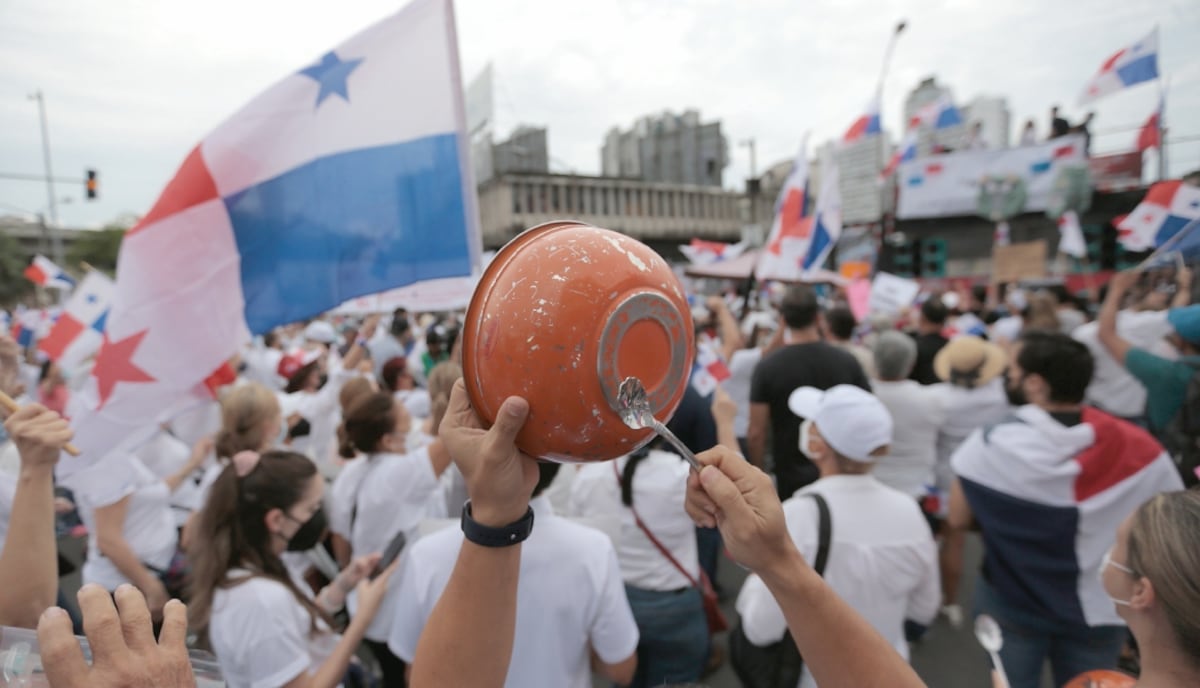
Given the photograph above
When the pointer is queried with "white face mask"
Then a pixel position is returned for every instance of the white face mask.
(1104, 564)
(805, 437)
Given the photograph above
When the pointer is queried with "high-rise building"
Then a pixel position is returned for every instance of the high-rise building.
(993, 115)
(525, 151)
(669, 148)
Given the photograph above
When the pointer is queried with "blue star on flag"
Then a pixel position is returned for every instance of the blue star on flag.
(331, 73)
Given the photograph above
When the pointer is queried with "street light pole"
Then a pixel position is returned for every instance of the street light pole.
(887, 57)
(51, 199)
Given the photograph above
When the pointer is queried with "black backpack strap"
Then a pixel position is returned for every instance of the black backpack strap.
(824, 534)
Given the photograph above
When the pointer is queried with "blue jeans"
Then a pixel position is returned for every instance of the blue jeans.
(673, 643)
(1029, 641)
(708, 547)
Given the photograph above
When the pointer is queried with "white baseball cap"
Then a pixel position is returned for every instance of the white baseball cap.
(851, 420)
(320, 331)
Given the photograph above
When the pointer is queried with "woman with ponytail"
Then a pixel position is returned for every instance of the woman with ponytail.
(263, 628)
(390, 493)
(658, 556)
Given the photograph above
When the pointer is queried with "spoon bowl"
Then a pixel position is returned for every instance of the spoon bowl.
(989, 635)
(633, 407)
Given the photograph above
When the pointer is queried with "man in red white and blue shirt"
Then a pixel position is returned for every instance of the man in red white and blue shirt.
(1048, 487)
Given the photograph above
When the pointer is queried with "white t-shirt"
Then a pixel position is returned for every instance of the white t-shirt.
(395, 493)
(262, 366)
(321, 410)
(569, 598)
(741, 370)
(416, 401)
(149, 524)
(918, 413)
(659, 490)
(1113, 389)
(164, 455)
(262, 635)
(967, 410)
(882, 560)
(339, 501)
(1008, 328)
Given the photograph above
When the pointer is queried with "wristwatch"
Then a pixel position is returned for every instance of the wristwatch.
(504, 536)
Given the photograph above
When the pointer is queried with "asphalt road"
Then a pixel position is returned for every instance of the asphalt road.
(946, 658)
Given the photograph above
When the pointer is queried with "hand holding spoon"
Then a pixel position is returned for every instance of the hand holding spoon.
(634, 409)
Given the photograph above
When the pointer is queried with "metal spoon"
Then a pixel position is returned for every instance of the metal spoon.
(634, 408)
(987, 631)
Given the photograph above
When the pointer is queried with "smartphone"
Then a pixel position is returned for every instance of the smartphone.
(389, 554)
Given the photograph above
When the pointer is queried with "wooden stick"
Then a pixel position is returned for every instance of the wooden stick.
(11, 406)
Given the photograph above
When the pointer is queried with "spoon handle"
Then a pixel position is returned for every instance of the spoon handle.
(999, 666)
(662, 430)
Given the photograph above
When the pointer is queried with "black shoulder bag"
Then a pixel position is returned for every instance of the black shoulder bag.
(779, 664)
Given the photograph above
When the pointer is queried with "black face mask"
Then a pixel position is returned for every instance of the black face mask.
(310, 532)
(1016, 395)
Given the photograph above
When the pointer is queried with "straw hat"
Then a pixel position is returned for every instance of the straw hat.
(969, 362)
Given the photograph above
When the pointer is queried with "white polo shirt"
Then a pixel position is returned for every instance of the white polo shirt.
(149, 527)
(659, 490)
(918, 413)
(261, 634)
(570, 599)
(1112, 388)
(882, 560)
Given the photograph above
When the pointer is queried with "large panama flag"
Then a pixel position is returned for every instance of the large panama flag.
(347, 177)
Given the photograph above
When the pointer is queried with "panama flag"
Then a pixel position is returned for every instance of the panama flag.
(1150, 135)
(1167, 207)
(709, 370)
(905, 152)
(1129, 66)
(792, 227)
(827, 222)
(79, 330)
(866, 125)
(939, 114)
(44, 273)
(347, 177)
(701, 252)
(1071, 241)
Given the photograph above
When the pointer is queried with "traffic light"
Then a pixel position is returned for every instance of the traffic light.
(91, 185)
(933, 258)
(905, 258)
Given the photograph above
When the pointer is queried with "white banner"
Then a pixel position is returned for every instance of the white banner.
(948, 185)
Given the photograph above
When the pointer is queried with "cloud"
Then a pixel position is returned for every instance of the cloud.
(132, 85)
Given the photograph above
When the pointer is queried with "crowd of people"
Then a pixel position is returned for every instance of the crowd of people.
(341, 516)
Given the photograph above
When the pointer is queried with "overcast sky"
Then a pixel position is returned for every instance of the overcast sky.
(132, 85)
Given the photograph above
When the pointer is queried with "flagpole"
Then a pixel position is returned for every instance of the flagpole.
(1163, 84)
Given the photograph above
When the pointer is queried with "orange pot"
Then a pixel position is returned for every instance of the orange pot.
(563, 313)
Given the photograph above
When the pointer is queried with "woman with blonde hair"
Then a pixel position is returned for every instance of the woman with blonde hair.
(1151, 576)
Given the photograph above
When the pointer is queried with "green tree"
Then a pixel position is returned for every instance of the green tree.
(13, 284)
(98, 249)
